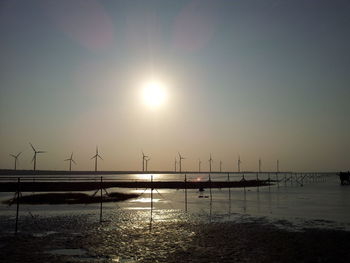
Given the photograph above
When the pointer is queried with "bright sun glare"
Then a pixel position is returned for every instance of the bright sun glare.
(154, 94)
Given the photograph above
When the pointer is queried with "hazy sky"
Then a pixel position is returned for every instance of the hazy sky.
(260, 79)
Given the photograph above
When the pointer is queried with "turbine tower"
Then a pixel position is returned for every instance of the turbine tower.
(210, 162)
(95, 157)
(175, 163)
(180, 160)
(259, 165)
(70, 162)
(199, 165)
(278, 166)
(146, 160)
(16, 158)
(144, 157)
(35, 154)
(239, 163)
(220, 166)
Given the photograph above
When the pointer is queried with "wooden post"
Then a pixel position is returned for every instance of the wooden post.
(101, 201)
(17, 209)
(185, 193)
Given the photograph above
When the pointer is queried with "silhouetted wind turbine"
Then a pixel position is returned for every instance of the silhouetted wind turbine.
(143, 161)
(35, 153)
(199, 165)
(95, 157)
(70, 162)
(175, 163)
(16, 158)
(210, 162)
(278, 166)
(220, 166)
(239, 163)
(146, 160)
(181, 158)
(259, 165)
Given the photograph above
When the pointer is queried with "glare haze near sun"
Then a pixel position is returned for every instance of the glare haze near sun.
(246, 79)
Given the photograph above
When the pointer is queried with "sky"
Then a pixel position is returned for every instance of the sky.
(250, 78)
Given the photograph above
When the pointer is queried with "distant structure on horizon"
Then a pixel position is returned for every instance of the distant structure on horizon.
(35, 155)
(210, 162)
(16, 159)
(239, 163)
(70, 162)
(180, 161)
(144, 157)
(95, 157)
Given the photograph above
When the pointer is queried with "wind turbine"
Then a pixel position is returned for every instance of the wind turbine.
(259, 165)
(175, 163)
(16, 158)
(210, 162)
(95, 157)
(220, 166)
(144, 157)
(146, 160)
(35, 153)
(181, 158)
(278, 166)
(199, 165)
(70, 162)
(239, 163)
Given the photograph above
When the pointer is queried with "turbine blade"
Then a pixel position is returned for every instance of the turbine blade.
(99, 157)
(67, 160)
(18, 154)
(94, 156)
(14, 156)
(33, 158)
(41, 152)
(74, 161)
(32, 147)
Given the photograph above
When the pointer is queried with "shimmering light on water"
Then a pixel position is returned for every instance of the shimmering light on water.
(144, 200)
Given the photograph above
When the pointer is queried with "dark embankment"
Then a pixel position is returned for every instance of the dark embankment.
(69, 198)
(91, 185)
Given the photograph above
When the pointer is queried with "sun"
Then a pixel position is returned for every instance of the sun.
(154, 94)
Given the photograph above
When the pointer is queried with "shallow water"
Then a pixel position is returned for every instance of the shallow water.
(325, 203)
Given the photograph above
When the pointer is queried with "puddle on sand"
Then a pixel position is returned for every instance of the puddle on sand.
(44, 234)
(123, 260)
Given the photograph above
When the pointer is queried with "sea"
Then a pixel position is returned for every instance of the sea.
(317, 202)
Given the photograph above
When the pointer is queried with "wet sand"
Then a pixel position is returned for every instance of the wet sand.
(125, 236)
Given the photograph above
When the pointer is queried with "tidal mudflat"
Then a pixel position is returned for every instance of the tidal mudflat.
(126, 236)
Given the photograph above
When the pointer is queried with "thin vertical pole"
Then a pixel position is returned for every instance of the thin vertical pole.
(186, 193)
(229, 195)
(17, 209)
(101, 201)
(150, 223)
(211, 196)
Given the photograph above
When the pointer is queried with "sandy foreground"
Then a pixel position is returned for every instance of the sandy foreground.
(125, 236)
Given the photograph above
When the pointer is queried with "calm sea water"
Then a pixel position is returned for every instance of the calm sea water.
(326, 202)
